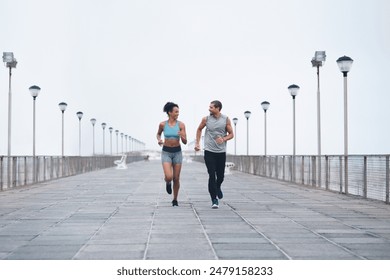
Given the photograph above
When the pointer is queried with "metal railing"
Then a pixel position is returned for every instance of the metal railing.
(18, 171)
(367, 176)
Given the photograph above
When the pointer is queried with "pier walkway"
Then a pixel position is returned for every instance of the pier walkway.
(126, 214)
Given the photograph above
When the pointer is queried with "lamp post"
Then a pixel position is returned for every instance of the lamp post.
(104, 128)
(122, 142)
(93, 122)
(62, 106)
(293, 89)
(126, 143)
(247, 114)
(10, 62)
(34, 90)
(317, 61)
(345, 64)
(110, 129)
(235, 120)
(265, 106)
(79, 116)
(117, 132)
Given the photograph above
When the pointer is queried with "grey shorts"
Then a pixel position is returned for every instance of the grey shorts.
(173, 156)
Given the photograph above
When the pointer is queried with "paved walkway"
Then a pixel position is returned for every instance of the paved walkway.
(126, 214)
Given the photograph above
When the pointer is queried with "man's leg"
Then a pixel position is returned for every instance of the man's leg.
(210, 161)
(220, 170)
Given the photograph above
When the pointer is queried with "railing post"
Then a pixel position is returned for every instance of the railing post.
(365, 177)
(303, 170)
(14, 173)
(44, 168)
(51, 168)
(284, 168)
(314, 170)
(1, 172)
(37, 169)
(327, 173)
(346, 174)
(25, 171)
(387, 179)
(276, 167)
(341, 173)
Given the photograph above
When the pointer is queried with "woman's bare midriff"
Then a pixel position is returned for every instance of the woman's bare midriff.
(171, 143)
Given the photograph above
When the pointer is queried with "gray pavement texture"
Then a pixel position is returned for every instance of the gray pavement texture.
(127, 215)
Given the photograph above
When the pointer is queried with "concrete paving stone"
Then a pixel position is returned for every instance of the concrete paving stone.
(58, 240)
(375, 247)
(112, 240)
(44, 252)
(109, 255)
(298, 239)
(244, 246)
(298, 249)
(91, 248)
(250, 255)
(177, 238)
(180, 251)
(12, 246)
(363, 240)
(178, 230)
(238, 239)
(239, 228)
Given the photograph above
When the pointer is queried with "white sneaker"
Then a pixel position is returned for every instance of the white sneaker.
(215, 204)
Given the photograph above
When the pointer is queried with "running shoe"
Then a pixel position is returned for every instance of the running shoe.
(215, 204)
(169, 187)
(174, 203)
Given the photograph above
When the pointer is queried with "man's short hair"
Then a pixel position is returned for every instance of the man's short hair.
(217, 104)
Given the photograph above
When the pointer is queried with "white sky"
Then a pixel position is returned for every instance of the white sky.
(120, 61)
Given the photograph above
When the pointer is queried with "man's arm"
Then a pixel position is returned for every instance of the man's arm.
(229, 130)
(199, 133)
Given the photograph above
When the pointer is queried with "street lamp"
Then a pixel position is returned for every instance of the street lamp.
(79, 115)
(130, 144)
(110, 129)
(247, 114)
(293, 89)
(126, 143)
(265, 106)
(93, 122)
(122, 141)
(345, 64)
(104, 128)
(117, 132)
(62, 106)
(318, 61)
(235, 120)
(10, 62)
(34, 90)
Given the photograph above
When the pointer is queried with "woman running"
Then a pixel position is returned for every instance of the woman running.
(171, 155)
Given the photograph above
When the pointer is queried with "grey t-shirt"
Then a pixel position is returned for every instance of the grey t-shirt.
(215, 127)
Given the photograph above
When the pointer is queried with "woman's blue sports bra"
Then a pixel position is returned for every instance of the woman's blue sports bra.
(171, 132)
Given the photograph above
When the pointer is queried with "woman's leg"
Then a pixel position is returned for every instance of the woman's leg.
(176, 180)
(168, 175)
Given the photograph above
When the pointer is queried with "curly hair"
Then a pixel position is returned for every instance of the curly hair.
(168, 107)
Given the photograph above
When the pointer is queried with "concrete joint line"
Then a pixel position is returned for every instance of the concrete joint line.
(204, 231)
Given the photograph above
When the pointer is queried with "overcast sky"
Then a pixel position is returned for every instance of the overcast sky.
(120, 61)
